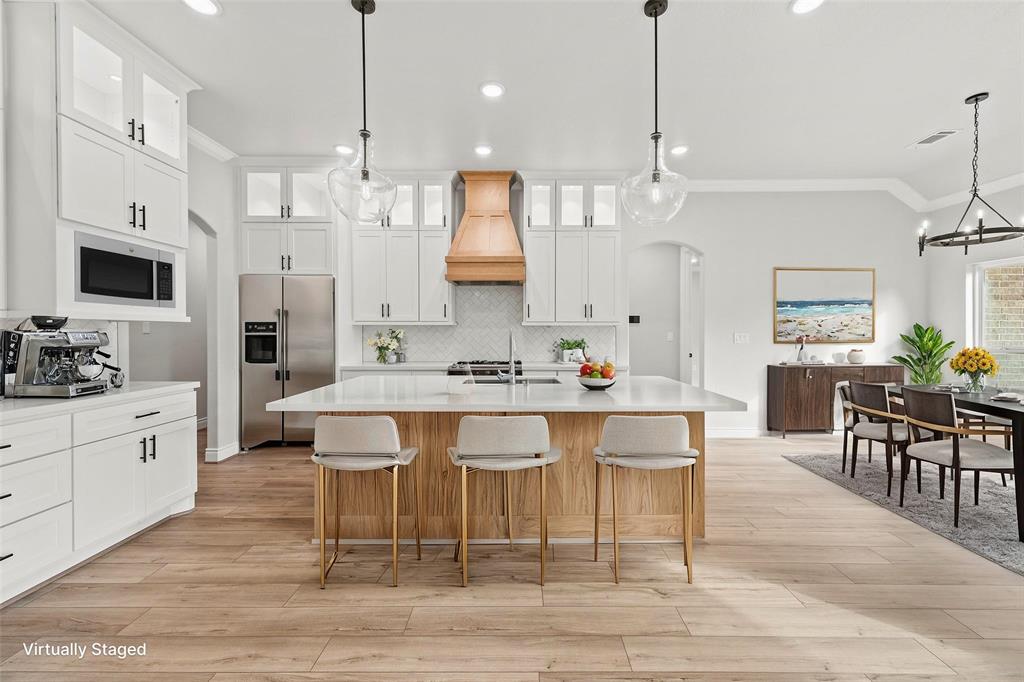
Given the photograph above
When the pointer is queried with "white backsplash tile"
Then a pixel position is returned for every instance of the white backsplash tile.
(484, 315)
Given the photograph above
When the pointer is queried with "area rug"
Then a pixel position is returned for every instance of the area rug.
(989, 530)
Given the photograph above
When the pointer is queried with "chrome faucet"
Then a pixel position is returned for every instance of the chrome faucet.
(510, 378)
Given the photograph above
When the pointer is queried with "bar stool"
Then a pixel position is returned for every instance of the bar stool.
(359, 444)
(502, 444)
(651, 443)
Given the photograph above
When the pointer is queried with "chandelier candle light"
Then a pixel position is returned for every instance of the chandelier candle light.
(967, 235)
(655, 194)
(361, 192)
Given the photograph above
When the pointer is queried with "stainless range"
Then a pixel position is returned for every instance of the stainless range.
(484, 368)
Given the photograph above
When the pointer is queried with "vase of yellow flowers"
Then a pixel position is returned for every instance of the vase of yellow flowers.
(974, 364)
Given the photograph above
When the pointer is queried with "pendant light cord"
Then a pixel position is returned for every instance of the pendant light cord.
(974, 163)
(364, 133)
(655, 73)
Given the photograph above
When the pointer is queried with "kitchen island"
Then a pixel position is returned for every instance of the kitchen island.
(428, 418)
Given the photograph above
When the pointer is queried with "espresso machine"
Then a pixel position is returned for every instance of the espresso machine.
(54, 363)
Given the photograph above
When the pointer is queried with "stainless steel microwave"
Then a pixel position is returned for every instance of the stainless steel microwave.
(122, 273)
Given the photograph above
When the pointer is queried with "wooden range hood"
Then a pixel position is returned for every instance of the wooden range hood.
(486, 248)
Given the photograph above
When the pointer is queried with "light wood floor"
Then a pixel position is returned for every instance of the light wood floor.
(798, 580)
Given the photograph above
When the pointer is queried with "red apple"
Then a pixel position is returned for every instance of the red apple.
(585, 369)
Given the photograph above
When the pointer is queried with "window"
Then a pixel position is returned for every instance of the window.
(998, 317)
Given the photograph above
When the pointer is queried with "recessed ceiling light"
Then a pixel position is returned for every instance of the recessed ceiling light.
(115, 78)
(492, 89)
(679, 150)
(207, 7)
(804, 6)
(343, 149)
(482, 150)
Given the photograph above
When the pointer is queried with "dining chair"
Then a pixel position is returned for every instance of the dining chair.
(845, 399)
(873, 420)
(359, 444)
(502, 444)
(646, 443)
(937, 413)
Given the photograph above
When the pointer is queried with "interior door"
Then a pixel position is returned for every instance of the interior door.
(263, 248)
(262, 379)
(602, 276)
(308, 345)
(264, 195)
(161, 115)
(369, 275)
(171, 467)
(308, 198)
(571, 276)
(161, 196)
(539, 288)
(109, 486)
(402, 276)
(435, 290)
(95, 178)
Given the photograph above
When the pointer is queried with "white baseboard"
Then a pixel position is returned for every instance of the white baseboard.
(222, 453)
(734, 432)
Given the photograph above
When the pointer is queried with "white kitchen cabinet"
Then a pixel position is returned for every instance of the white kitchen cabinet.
(162, 131)
(310, 249)
(539, 198)
(263, 249)
(588, 204)
(284, 194)
(170, 471)
(435, 291)
(604, 204)
(263, 192)
(402, 304)
(603, 274)
(539, 288)
(34, 485)
(572, 205)
(109, 486)
(161, 198)
(94, 178)
(33, 547)
(309, 200)
(296, 249)
(587, 276)
(369, 275)
(403, 214)
(435, 204)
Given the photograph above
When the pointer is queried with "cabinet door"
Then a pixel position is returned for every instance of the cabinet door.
(539, 197)
(539, 288)
(572, 204)
(602, 276)
(308, 198)
(435, 290)
(264, 249)
(808, 399)
(171, 465)
(95, 178)
(435, 205)
(571, 276)
(161, 198)
(263, 194)
(310, 249)
(109, 486)
(884, 374)
(369, 275)
(402, 276)
(403, 213)
(161, 119)
(603, 200)
(95, 72)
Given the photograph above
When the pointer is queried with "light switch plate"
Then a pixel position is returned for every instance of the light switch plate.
(741, 337)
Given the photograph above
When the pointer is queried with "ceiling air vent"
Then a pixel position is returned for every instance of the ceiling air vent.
(935, 137)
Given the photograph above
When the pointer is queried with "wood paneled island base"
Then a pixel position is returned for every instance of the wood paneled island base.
(650, 501)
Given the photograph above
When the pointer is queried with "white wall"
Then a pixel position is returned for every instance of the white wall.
(742, 236)
(654, 289)
(176, 351)
(947, 268)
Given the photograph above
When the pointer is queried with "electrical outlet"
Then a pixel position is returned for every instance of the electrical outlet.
(145, 328)
(741, 337)
(670, 337)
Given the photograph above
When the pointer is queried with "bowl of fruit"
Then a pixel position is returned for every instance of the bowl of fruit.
(596, 376)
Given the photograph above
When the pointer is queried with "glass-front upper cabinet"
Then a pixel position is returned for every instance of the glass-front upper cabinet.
(435, 204)
(403, 213)
(572, 204)
(161, 117)
(309, 200)
(539, 196)
(264, 194)
(95, 71)
(604, 204)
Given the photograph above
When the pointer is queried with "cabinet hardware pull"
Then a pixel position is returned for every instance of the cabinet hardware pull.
(282, 261)
(444, 220)
(153, 440)
(389, 221)
(584, 311)
(6, 556)
(382, 310)
(5, 496)
(142, 134)
(142, 213)
(289, 210)
(389, 310)
(131, 135)
(143, 444)
(289, 262)
(527, 311)
(529, 221)
(148, 414)
(6, 445)
(132, 207)
(277, 375)
(444, 311)
(282, 210)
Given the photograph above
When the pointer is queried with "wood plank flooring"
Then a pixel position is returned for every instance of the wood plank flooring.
(797, 581)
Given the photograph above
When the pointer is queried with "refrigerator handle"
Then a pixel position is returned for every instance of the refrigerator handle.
(280, 344)
(287, 372)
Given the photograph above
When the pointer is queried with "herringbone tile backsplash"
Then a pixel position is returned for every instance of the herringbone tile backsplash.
(484, 315)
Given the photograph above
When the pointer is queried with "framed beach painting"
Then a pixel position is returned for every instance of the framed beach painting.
(824, 305)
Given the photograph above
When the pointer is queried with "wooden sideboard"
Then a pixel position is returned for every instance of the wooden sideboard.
(801, 397)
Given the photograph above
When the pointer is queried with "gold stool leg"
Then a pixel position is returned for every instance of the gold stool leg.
(597, 505)
(688, 521)
(543, 520)
(464, 543)
(615, 520)
(337, 515)
(419, 503)
(394, 526)
(322, 518)
(508, 508)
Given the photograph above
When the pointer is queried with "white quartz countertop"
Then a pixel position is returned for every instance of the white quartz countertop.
(421, 393)
(17, 409)
(528, 366)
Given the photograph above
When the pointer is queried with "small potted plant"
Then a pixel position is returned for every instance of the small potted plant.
(974, 364)
(386, 344)
(572, 350)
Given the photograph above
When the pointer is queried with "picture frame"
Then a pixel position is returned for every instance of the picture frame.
(823, 305)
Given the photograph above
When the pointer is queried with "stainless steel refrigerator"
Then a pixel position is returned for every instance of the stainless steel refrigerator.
(287, 347)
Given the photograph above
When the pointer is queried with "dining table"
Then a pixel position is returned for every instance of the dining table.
(1012, 412)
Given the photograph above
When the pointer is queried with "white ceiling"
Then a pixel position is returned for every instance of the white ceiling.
(755, 91)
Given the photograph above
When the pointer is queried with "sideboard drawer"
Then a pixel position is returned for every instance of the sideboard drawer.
(32, 438)
(33, 485)
(31, 545)
(107, 422)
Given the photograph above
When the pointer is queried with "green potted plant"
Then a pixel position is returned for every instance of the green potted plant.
(929, 354)
(572, 350)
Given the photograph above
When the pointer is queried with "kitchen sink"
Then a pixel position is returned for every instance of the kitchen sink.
(495, 381)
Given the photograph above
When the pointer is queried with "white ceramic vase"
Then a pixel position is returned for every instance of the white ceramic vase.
(856, 357)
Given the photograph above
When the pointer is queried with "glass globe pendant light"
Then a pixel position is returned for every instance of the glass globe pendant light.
(655, 194)
(361, 192)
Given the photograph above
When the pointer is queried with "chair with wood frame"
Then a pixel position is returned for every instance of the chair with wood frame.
(873, 420)
(502, 444)
(359, 444)
(937, 412)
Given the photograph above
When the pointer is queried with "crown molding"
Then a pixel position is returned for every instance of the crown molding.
(1000, 185)
(207, 144)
